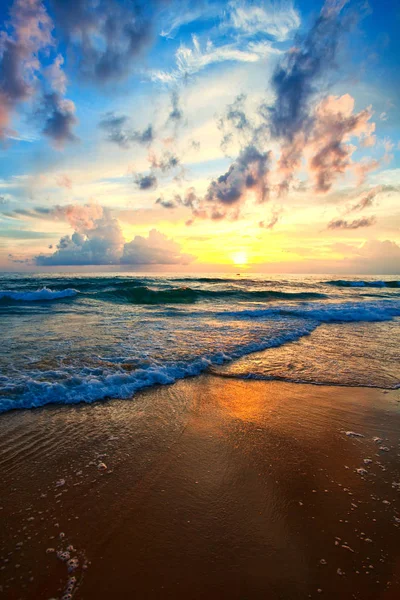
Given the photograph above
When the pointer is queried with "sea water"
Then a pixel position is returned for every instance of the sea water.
(69, 338)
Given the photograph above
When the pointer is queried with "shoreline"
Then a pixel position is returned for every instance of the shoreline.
(211, 486)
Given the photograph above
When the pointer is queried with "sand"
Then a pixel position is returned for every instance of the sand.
(210, 488)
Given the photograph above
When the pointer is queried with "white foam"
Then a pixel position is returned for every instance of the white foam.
(37, 296)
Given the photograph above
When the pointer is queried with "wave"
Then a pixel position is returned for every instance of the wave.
(349, 312)
(301, 380)
(43, 294)
(360, 283)
(91, 386)
(187, 295)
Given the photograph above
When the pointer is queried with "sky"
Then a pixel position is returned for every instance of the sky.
(200, 136)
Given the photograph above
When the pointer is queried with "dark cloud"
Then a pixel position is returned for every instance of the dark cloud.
(119, 132)
(295, 78)
(356, 224)
(224, 196)
(106, 37)
(166, 203)
(146, 182)
(293, 118)
(29, 32)
(247, 172)
(296, 81)
(58, 116)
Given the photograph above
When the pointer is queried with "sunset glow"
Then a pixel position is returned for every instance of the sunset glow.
(240, 258)
(225, 136)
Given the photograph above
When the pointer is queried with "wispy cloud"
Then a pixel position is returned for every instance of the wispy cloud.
(192, 59)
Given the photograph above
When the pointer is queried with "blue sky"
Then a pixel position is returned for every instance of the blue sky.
(180, 135)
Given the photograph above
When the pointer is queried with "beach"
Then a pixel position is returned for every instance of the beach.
(211, 487)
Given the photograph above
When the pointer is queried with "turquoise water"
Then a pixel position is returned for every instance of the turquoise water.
(82, 338)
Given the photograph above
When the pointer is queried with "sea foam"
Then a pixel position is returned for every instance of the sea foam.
(43, 294)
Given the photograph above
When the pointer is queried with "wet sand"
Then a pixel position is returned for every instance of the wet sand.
(210, 488)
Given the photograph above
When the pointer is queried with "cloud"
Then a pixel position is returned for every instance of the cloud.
(367, 200)
(166, 162)
(58, 115)
(294, 80)
(293, 118)
(176, 113)
(20, 73)
(107, 37)
(166, 203)
(146, 182)
(356, 224)
(276, 19)
(334, 124)
(191, 60)
(119, 132)
(30, 28)
(247, 172)
(98, 240)
(235, 122)
(64, 181)
(273, 220)
(155, 249)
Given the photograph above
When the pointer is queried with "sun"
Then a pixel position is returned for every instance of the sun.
(240, 258)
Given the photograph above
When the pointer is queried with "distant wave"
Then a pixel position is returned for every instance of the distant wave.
(360, 283)
(187, 295)
(44, 294)
(349, 312)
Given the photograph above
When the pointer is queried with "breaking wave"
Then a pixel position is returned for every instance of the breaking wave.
(360, 283)
(187, 295)
(44, 294)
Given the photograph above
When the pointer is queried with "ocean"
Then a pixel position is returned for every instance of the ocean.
(70, 338)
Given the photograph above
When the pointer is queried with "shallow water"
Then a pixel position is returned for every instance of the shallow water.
(71, 338)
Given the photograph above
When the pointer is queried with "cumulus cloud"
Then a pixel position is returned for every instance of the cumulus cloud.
(356, 224)
(98, 240)
(155, 249)
(119, 131)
